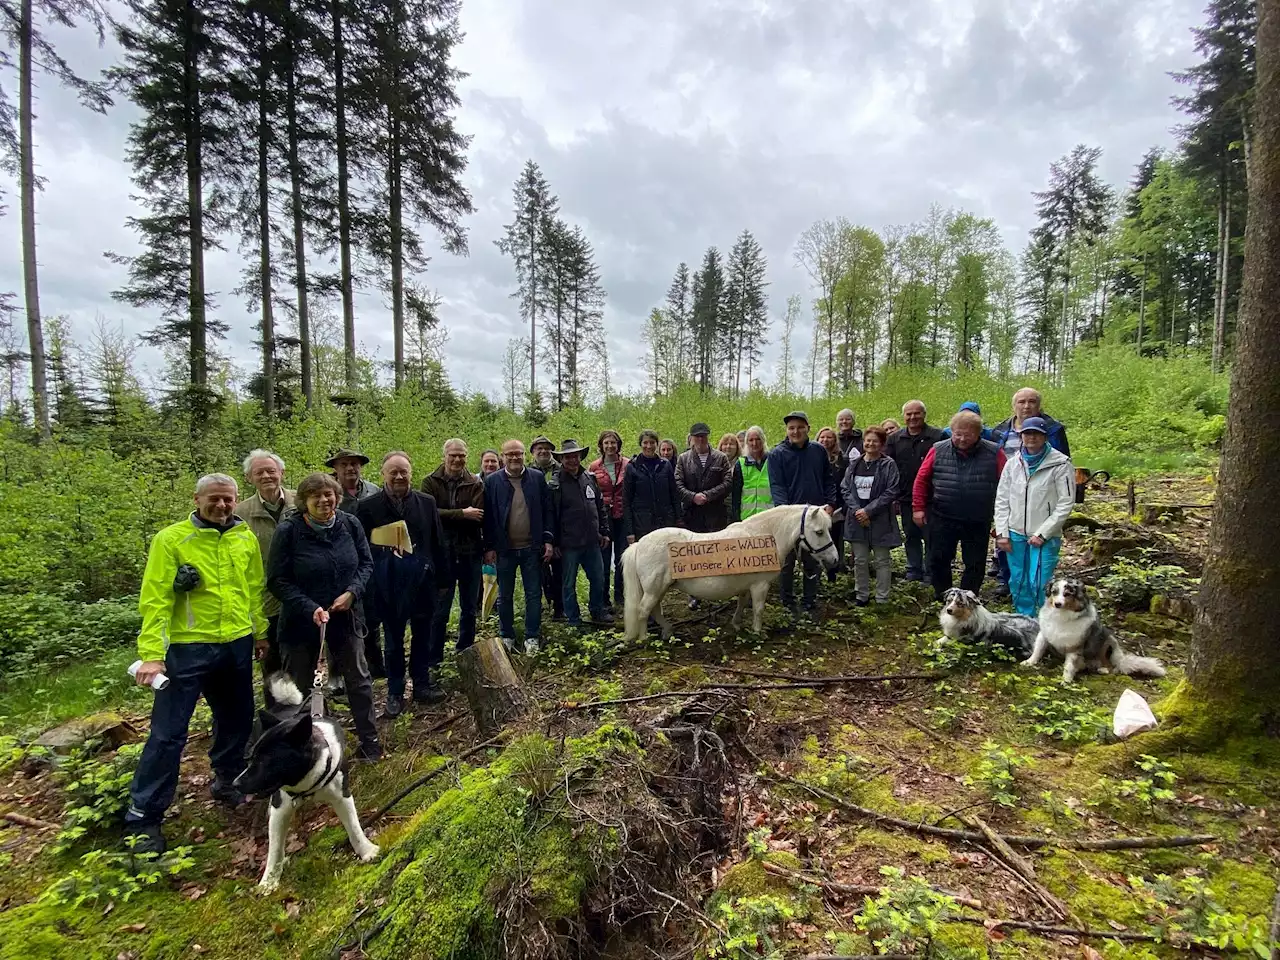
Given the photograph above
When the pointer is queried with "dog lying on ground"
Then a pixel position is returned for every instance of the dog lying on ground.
(1069, 623)
(298, 757)
(963, 617)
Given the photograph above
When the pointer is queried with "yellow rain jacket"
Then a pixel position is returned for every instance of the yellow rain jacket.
(225, 606)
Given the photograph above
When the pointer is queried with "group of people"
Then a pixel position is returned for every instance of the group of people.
(349, 567)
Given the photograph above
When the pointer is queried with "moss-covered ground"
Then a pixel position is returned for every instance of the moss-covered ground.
(527, 851)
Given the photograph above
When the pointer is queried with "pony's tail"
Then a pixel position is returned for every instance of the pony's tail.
(633, 593)
(1132, 666)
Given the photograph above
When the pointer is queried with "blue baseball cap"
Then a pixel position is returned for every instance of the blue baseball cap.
(971, 405)
(1035, 423)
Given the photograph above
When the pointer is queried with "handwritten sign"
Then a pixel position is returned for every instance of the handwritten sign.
(725, 557)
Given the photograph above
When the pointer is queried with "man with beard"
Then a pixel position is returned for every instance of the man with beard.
(403, 582)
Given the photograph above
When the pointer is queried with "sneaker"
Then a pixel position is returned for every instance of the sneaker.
(859, 602)
(693, 603)
(226, 793)
(531, 646)
(370, 751)
(1000, 591)
(429, 693)
(509, 644)
(141, 838)
(394, 707)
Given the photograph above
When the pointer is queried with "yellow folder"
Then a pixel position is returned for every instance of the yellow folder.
(394, 535)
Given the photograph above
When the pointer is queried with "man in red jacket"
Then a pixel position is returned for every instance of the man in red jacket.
(955, 496)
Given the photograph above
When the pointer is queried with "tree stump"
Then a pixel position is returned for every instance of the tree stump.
(492, 686)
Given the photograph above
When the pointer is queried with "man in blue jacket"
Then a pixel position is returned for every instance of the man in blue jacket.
(800, 472)
(1008, 434)
(519, 530)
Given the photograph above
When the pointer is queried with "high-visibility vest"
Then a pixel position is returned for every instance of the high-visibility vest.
(755, 488)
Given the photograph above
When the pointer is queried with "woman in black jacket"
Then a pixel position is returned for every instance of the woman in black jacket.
(650, 500)
(318, 569)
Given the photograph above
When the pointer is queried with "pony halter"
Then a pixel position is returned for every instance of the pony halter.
(804, 540)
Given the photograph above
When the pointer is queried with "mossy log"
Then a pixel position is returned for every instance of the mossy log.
(492, 686)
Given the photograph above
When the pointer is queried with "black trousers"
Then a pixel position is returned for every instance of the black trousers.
(346, 652)
(944, 535)
(612, 557)
(811, 570)
(552, 578)
(271, 662)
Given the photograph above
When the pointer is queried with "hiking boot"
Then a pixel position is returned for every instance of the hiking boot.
(143, 838)
(859, 602)
(603, 619)
(394, 707)
(226, 793)
(430, 692)
(370, 751)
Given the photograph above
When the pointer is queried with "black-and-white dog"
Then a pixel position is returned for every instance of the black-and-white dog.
(298, 757)
(1069, 623)
(963, 617)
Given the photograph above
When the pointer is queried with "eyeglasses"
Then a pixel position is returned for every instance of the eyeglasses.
(518, 455)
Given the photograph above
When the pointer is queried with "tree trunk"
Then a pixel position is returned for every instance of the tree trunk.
(1220, 298)
(492, 686)
(344, 206)
(397, 247)
(264, 226)
(1066, 289)
(1233, 656)
(195, 207)
(30, 279)
(295, 202)
(1142, 303)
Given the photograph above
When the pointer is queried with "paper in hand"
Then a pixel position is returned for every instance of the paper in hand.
(394, 535)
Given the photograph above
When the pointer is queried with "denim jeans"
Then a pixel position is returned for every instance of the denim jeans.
(591, 562)
(223, 672)
(463, 572)
(528, 560)
(915, 539)
(811, 570)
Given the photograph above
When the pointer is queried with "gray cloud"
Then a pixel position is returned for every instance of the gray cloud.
(668, 129)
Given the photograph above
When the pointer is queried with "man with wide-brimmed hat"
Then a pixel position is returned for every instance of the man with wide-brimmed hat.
(346, 465)
(541, 457)
(582, 526)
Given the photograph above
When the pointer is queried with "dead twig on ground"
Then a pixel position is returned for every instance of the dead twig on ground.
(24, 821)
(432, 774)
(1049, 930)
(852, 888)
(976, 836)
(717, 687)
(1019, 864)
(447, 721)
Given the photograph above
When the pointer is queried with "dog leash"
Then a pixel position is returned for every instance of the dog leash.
(317, 682)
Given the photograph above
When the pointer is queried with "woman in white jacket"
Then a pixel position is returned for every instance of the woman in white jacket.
(1036, 494)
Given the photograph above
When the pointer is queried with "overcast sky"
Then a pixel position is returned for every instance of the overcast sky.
(668, 130)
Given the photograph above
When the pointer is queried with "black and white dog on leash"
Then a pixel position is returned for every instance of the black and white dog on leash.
(1069, 623)
(963, 617)
(298, 757)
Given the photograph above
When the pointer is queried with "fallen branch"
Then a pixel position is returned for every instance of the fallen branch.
(1032, 927)
(1019, 865)
(975, 836)
(718, 687)
(447, 721)
(25, 821)
(432, 774)
(853, 888)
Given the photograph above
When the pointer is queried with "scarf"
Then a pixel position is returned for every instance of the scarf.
(1033, 463)
(316, 525)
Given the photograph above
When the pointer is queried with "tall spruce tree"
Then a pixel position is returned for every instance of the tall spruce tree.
(679, 307)
(708, 304)
(1073, 209)
(175, 70)
(745, 320)
(526, 240)
(585, 348)
(21, 23)
(408, 86)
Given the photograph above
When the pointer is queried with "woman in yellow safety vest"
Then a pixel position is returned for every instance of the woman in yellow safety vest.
(750, 494)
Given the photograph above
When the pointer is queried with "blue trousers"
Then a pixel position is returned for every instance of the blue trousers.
(528, 560)
(463, 572)
(1030, 570)
(223, 673)
(592, 563)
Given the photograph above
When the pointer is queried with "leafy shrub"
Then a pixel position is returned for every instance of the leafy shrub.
(956, 656)
(40, 631)
(97, 790)
(907, 915)
(995, 772)
(751, 925)
(1130, 584)
(116, 875)
(1063, 711)
(1155, 786)
(1187, 907)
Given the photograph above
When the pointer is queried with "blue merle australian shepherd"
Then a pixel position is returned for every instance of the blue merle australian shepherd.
(963, 617)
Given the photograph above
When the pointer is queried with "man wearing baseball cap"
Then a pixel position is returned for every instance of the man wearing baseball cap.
(800, 472)
(703, 477)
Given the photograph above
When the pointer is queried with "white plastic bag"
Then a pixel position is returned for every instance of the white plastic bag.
(1132, 716)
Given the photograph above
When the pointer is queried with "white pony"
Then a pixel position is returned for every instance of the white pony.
(647, 574)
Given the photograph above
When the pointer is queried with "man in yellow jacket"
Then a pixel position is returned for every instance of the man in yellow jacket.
(201, 605)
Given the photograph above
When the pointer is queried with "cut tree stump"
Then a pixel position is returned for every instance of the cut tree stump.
(492, 686)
